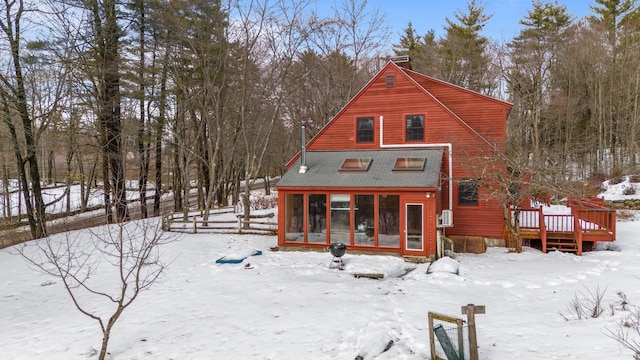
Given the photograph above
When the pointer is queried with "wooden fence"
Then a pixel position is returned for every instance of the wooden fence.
(194, 223)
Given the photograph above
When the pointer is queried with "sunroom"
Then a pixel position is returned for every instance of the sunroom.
(373, 200)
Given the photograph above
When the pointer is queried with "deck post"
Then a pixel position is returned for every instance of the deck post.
(577, 230)
(542, 229)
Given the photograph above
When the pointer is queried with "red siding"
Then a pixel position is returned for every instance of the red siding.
(485, 115)
(471, 122)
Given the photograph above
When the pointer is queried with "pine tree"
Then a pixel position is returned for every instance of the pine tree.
(465, 61)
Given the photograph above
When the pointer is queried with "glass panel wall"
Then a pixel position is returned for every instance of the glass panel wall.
(389, 220)
(363, 219)
(317, 217)
(294, 217)
(340, 218)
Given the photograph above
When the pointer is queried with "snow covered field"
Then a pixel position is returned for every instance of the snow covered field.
(291, 305)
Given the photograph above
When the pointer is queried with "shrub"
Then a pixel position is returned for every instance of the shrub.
(616, 180)
(627, 333)
(629, 190)
(597, 178)
(262, 202)
(625, 214)
(585, 304)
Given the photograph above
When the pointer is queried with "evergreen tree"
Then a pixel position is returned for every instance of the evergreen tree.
(465, 61)
(410, 43)
(617, 22)
(422, 50)
(533, 54)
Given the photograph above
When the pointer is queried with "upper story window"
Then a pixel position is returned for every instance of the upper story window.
(468, 192)
(415, 127)
(364, 130)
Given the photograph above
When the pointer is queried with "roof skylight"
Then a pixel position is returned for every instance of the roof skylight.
(409, 164)
(356, 164)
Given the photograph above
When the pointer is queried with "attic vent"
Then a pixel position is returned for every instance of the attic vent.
(391, 80)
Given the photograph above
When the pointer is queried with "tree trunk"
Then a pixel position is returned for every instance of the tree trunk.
(7, 194)
(114, 133)
(143, 148)
(106, 187)
(68, 180)
(159, 133)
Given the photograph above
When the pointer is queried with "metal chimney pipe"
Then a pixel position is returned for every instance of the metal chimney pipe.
(303, 155)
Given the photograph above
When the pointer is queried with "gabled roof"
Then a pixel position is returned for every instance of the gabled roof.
(324, 170)
(414, 78)
(417, 76)
(419, 81)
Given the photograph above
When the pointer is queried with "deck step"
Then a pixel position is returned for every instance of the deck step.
(562, 244)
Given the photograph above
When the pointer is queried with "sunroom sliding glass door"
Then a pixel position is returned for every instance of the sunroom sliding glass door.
(340, 218)
(317, 219)
(389, 221)
(363, 215)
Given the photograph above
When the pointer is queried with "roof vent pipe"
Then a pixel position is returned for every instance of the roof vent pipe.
(303, 158)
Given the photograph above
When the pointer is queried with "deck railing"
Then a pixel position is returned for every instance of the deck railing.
(529, 218)
(589, 223)
(597, 219)
(560, 223)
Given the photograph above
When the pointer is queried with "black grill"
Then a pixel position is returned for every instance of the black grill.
(338, 249)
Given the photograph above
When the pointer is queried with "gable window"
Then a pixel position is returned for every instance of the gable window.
(468, 192)
(409, 163)
(365, 130)
(415, 127)
(391, 80)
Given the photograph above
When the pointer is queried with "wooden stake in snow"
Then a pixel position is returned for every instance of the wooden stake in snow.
(471, 311)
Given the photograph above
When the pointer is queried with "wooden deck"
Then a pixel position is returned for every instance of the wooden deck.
(582, 229)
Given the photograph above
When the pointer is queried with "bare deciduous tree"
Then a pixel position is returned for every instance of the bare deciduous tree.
(128, 254)
(18, 109)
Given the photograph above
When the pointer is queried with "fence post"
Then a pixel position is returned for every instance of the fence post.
(195, 227)
(471, 311)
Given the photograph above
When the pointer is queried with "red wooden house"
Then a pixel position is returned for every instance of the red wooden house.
(394, 167)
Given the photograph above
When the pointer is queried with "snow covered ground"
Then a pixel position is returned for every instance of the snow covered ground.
(624, 190)
(292, 305)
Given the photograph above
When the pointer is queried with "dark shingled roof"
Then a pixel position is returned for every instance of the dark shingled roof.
(324, 170)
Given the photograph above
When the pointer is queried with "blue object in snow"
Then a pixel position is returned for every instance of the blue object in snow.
(237, 258)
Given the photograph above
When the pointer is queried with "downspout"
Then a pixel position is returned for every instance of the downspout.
(449, 147)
